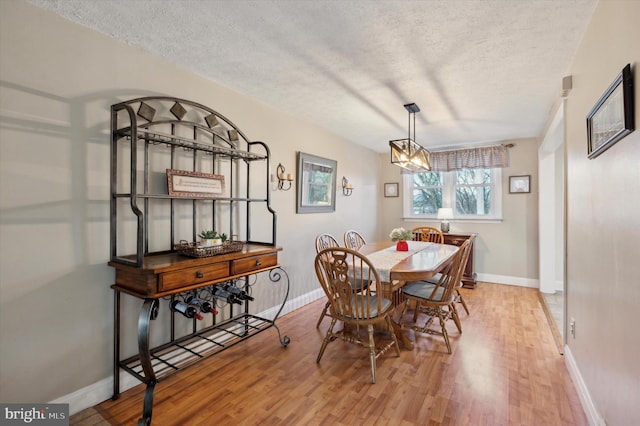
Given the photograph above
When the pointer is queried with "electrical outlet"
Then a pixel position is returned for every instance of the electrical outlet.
(572, 327)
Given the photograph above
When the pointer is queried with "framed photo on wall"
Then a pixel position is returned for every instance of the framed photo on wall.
(612, 118)
(520, 184)
(391, 189)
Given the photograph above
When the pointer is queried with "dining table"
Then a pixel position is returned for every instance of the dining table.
(395, 268)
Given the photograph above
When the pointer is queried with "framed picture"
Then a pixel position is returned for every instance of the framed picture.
(612, 118)
(520, 184)
(316, 181)
(391, 189)
(182, 183)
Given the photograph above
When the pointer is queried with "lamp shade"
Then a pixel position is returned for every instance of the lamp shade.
(445, 213)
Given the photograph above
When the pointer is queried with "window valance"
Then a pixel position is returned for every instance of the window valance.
(487, 157)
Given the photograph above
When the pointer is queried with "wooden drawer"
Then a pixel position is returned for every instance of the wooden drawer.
(242, 266)
(185, 277)
(456, 241)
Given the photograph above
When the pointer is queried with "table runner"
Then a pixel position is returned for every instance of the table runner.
(384, 260)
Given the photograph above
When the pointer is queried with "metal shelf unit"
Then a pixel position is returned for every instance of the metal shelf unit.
(149, 136)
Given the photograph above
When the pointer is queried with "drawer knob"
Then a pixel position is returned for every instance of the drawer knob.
(258, 263)
(199, 274)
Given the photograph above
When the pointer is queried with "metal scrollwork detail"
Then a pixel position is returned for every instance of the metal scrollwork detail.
(275, 275)
(148, 312)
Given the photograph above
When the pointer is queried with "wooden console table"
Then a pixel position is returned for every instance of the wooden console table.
(456, 239)
(174, 277)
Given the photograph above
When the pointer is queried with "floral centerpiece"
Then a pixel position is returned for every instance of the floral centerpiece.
(401, 235)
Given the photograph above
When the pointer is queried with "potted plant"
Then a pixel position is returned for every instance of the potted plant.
(401, 235)
(211, 238)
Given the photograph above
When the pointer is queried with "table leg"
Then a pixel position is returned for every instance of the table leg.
(402, 335)
(393, 292)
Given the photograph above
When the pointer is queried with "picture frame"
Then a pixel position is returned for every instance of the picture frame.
(612, 117)
(520, 184)
(316, 184)
(182, 183)
(391, 189)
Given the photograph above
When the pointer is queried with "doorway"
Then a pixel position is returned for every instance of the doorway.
(551, 216)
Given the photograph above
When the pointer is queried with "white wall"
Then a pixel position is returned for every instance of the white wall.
(505, 251)
(57, 82)
(603, 226)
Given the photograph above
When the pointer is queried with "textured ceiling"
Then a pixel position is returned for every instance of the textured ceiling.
(479, 70)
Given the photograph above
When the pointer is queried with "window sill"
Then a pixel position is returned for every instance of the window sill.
(470, 220)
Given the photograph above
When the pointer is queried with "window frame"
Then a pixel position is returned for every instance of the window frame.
(449, 196)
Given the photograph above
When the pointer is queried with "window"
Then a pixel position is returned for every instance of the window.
(471, 193)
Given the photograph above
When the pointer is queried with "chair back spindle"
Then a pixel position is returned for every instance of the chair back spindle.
(428, 234)
(353, 240)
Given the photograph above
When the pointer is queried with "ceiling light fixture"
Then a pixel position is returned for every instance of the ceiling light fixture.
(407, 153)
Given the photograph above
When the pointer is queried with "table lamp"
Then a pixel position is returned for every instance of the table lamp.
(445, 214)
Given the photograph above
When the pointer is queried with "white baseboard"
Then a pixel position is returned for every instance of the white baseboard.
(95, 393)
(102, 390)
(559, 285)
(505, 279)
(593, 417)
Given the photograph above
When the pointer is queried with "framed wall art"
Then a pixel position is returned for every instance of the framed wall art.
(391, 189)
(316, 182)
(612, 118)
(520, 184)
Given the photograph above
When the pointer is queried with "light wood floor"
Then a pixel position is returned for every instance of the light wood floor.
(504, 370)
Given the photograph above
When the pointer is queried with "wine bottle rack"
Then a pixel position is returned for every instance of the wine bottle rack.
(181, 353)
(149, 136)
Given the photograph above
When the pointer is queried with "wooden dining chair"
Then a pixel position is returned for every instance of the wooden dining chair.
(434, 235)
(324, 241)
(342, 272)
(437, 300)
(353, 240)
(428, 234)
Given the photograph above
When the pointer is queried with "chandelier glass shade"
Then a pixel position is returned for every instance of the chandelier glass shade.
(407, 153)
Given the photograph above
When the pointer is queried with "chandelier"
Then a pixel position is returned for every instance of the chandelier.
(407, 153)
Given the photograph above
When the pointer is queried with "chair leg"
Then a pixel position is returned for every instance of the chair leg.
(456, 317)
(461, 300)
(393, 335)
(327, 338)
(444, 329)
(324, 312)
(405, 306)
(372, 352)
(415, 312)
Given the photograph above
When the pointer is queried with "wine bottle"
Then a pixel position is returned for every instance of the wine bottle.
(241, 294)
(222, 294)
(185, 309)
(205, 307)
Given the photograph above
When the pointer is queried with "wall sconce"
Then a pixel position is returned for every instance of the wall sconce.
(284, 180)
(445, 214)
(347, 188)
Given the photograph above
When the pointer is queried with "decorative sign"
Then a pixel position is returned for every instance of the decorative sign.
(182, 183)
